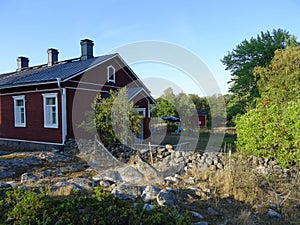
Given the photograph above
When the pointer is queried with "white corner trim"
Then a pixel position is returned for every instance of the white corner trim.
(64, 114)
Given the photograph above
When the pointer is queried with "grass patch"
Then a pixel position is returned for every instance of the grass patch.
(200, 142)
(14, 156)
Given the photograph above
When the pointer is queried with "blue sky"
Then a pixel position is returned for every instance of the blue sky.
(209, 29)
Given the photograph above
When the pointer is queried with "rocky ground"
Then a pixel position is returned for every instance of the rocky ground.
(215, 188)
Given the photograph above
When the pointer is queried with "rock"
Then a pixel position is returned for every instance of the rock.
(196, 214)
(64, 188)
(179, 159)
(201, 223)
(131, 175)
(5, 185)
(84, 183)
(273, 213)
(126, 191)
(150, 193)
(168, 146)
(149, 172)
(48, 173)
(28, 178)
(73, 168)
(104, 183)
(220, 166)
(108, 175)
(6, 173)
(209, 161)
(172, 179)
(148, 207)
(213, 212)
(53, 157)
(190, 180)
(167, 198)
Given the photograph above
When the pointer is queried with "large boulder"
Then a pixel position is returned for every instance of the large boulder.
(131, 175)
(126, 191)
(84, 183)
(5, 185)
(29, 178)
(151, 175)
(108, 175)
(150, 193)
(64, 188)
(167, 198)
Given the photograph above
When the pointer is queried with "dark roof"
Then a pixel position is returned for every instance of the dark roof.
(200, 112)
(44, 74)
(132, 92)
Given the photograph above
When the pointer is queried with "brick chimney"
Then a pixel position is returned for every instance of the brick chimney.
(52, 56)
(23, 62)
(86, 49)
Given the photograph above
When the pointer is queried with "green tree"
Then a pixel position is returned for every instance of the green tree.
(217, 110)
(114, 118)
(272, 129)
(200, 102)
(279, 82)
(179, 105)
(163, 108)
(186, 109)
(241, 62)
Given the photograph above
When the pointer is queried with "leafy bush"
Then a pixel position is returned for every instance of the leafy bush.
(271, 131)
(27, 207)
(114, 118)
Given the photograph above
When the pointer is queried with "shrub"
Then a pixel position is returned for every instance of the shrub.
(27, 207)
(271, 131)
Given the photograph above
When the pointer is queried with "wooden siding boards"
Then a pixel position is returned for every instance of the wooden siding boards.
(34, 130)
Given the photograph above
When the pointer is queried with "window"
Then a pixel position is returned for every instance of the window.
(111, 74)
(19, 111)
(50, 110)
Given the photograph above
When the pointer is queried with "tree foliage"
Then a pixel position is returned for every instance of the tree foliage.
(180, 105)
(279, 82)
(272, 129)
(241, 62)
(114, 118)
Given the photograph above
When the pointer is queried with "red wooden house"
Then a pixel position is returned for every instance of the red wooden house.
(42, 104)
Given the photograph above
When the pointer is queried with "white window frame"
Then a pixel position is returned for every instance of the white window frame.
(141, 110)
(108, 74)
(17, 112)
(45, 97)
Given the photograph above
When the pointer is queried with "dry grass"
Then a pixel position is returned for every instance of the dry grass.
(237, 181)
(14, 156)
(252, 194)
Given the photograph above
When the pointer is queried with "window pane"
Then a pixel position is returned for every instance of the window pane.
(48, 115)
(111, 73)
(50, 101)
(19, 102)
(53, 115)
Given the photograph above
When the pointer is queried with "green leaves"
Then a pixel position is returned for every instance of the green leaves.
(114, 118)
(243, 59)
(27, 207)
(272, 129)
